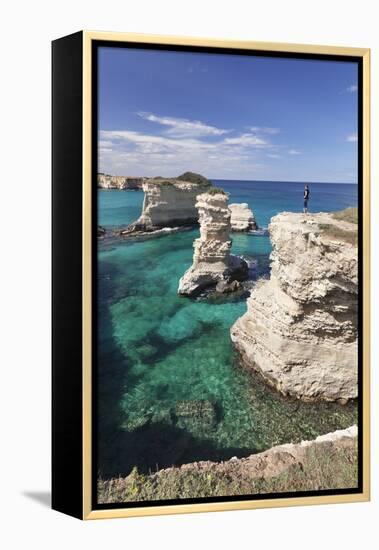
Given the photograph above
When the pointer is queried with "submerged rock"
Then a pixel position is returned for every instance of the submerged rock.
(139, 235)
(100, 231)
(300, 330)
(137, 421)
(212, 261)
(242, 218)
(226, 286)
(196, 415)
(170, 202)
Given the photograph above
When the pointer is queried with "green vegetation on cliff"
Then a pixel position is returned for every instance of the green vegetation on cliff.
(343, 233)
(347, 215)
(324, 466)
(216, 191)
(192, 177)
(188, 177)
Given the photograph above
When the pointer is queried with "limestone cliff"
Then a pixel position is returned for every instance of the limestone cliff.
(242, 218)
(105, 181)
(300, 329)
(212, 261)
(170, 202)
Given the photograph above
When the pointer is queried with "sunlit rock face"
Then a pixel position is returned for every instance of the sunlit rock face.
(242, 218)
(300, 328)
(170, 202)
(105, 181)
(212, 260)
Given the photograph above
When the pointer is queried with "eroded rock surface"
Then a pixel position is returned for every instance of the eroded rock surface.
(212, 261)
(242, 218)
(300, 329)
(106, 181)
(170, 202)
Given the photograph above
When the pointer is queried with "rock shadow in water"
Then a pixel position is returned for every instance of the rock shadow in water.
(157, 446)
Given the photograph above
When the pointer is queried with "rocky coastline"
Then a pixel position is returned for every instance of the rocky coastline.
(299, 333)
(300, 328)
(169, 203)
(130, 183)
(328, 462)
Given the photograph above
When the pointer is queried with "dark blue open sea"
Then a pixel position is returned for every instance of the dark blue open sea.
(157, 350)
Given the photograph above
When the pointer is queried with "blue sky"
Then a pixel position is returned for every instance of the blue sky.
(227, 117)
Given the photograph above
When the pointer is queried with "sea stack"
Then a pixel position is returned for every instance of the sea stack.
(242, 218)
(212, 262)
(169, 202)
(300, 329)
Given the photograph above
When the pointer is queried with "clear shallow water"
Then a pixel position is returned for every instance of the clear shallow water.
(170, 387)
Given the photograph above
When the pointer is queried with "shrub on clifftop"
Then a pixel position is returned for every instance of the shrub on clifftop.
(347, 215)
(192, 177)
(216, 191)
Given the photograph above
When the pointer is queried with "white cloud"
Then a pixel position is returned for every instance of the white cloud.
(150, 144)
(131, 152)
(352, 88)
(181, 127)
(294, 152)
(264, 130)
(352, 138)
(164, 143)
(104, 143)
(246, 140)
(176, 144)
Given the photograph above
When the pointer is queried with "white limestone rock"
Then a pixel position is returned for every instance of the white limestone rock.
(105, 181)
(212, 261)
(300, 329)
(170, 202)
(242, 218)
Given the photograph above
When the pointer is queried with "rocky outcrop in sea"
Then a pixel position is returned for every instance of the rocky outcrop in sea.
(300, 329)
(213, 264)
(242, 218)
(106, 181)
(169, 203)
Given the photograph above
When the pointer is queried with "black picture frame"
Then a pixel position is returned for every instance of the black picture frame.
(70, 126)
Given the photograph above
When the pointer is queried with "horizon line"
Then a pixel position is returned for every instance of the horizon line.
(305, 181)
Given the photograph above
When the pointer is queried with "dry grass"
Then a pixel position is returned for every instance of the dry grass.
(347, 215)
(334, 231)
(338, 233)
(326, 466)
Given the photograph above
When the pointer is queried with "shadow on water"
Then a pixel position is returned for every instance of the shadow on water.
(152, 446)
(157, 446)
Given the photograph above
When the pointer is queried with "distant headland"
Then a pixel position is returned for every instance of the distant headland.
(106, 181)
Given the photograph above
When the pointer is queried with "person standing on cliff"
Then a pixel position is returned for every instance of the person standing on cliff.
(306, 199)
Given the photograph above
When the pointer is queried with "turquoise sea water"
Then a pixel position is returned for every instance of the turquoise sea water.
(170, 387)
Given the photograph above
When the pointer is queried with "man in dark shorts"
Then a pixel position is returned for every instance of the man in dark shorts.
(306, 199)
